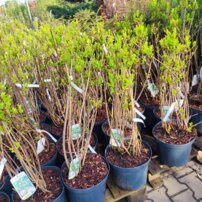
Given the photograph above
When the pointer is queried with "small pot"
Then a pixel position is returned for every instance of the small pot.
(95, 193)
(130, 178)
(173, 154)
(6, 195)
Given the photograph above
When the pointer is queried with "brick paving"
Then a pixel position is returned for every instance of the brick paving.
(180, 185)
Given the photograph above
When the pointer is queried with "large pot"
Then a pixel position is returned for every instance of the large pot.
(130, 178)
(95, 193)
(173, 154)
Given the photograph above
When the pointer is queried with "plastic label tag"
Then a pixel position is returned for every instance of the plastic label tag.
(29, 85)
(2, 165)
(179, 104)
(44, 131)
(152, 88)
(169, 112)
(165, 110)
(105, 49)
(74, 168)
(76, 131)
(48, 94)
(140, 114)
(40, 145)
(201, 73)
(91, 149)
(138, 120)
(195, 80)
(23, 185)
(115, 137)
(75, 86)
(47, 80)
(136, 103)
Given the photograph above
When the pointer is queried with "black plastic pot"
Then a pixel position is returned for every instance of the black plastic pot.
(6, 195)
(130, 178)
(197, 118)
(97, 129)
(62, 197)
(6, 186)
(151, 120)
(173, 154)
(95, 193)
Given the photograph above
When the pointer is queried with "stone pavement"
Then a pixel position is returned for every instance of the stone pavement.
(180, 185)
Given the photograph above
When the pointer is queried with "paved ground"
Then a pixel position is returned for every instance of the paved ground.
(180, 185)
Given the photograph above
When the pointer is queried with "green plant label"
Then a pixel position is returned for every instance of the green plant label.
(2, 165)
(115, 137)
(169, 111)
(74, 168)
(23, 185)
(165, 110)
(41, 145)
(76, 131)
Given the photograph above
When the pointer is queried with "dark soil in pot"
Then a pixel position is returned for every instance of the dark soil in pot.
(106, 130)
(93, 171)
(46, 155)
(150, 102)
(124, 160)
(4, 198)
(57, 130)
(176, 135)
(195, 102)
(101, 114)
(54, 185)
(93, 143)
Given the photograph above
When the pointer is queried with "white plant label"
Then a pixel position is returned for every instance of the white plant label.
(152, 88)
(115, 137)
(44, 131)
(165, 110)
(138, 120)
(74, 168)
(48, 94)
(169, 112)
(140, 114)
(76, 131)
(136, 103)
(195, 80)
(2, 165)
(29, 85)
(105, 49)
(179, 104)
(91, 149)
(41, 145)
(75, 86)
(23, 185)
(47, 80)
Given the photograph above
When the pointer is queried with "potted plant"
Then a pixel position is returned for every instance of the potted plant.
(174, 135)
(127, 154)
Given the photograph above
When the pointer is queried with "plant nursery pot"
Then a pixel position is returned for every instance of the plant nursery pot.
(173, 154)
(4, 197)
(6, 186)
(196, 119)
(130, 178)
(94, 193)
(61, 197)
(151, 120)
(97, 129)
